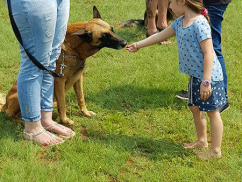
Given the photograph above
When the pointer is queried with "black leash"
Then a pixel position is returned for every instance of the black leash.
(18, 36)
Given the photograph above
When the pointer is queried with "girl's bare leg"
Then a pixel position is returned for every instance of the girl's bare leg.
(216, 136)
(201, 128)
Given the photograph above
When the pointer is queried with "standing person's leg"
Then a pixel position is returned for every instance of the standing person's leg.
(216, 136)
(162, 17)
(60, 27)
(216, 17)
(162, 14)
(201, 129)
(151, 7)
(30, 18)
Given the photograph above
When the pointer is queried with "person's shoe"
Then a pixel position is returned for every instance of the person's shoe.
(160, 29)
(147, 35)
(183, 95)
(224, 108)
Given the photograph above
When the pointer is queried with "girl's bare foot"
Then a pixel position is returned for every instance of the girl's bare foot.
(209, 154)
(196, 144)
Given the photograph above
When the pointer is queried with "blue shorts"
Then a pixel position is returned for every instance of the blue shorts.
(215, 101)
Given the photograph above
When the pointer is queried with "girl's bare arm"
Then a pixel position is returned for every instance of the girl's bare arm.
(207, 49)
(155, 38)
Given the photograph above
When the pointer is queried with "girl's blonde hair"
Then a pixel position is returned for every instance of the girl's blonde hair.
(197, 6)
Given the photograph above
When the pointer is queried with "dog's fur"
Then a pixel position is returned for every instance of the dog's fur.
(82, 40)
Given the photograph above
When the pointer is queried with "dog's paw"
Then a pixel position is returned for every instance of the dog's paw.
(88, 113)
(67, 121)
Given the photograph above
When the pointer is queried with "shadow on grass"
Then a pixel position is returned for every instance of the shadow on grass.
(164, 149)
(137, 146)
(10, 129)
(133, 98)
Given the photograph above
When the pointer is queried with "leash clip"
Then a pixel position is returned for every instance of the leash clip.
(62, 65)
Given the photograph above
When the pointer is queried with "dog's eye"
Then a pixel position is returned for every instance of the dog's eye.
(106, 35)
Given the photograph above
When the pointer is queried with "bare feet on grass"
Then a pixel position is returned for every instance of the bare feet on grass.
(196, 144)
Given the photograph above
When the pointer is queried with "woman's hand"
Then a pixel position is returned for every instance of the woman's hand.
(132, 48)
(205, 91)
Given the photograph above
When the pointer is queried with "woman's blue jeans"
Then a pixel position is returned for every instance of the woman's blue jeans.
(216, 17)
(42, 25)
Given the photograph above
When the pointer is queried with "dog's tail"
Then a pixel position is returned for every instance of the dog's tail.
(2, 101)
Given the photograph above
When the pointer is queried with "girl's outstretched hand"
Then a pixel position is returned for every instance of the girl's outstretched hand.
(132, 48)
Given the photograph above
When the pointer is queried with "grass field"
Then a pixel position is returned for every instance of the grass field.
(140, 126)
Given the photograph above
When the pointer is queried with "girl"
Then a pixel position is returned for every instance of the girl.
(197, 59)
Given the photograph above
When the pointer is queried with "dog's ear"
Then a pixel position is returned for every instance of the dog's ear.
(96, 13)
(84, 35)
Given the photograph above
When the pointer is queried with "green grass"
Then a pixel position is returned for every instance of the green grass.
(140, 127)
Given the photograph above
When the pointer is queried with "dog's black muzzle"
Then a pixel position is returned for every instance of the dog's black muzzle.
(112, 41)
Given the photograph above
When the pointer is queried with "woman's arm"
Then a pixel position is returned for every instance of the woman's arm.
(153, 39)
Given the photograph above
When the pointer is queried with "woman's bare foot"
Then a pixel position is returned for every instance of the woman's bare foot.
(61, 130)
(196, 144)
(209, 154)
(35, 132)
(50, 125)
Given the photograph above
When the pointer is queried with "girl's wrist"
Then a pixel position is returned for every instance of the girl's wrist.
(137, 46)
(207, 82)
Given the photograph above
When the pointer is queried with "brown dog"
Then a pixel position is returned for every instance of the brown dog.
(82, 40)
